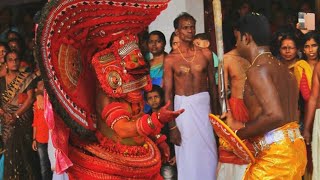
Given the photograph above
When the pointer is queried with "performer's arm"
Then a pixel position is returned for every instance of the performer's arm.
(312, 104)
(271, 115)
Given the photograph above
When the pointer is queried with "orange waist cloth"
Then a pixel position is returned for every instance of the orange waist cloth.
(238, 109)
(284, 159)
(240, 113)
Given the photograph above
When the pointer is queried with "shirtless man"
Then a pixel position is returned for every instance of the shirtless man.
(235, 67)
(271, 96)
(189, 84)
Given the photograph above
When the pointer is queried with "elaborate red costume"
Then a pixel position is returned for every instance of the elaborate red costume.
(89, 53)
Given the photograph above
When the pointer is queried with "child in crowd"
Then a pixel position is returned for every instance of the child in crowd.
(41, 133)
(155, 99)
(202, 40)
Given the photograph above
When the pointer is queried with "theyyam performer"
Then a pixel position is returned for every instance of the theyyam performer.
(95, 74)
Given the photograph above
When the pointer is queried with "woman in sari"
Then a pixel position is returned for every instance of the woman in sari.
(156, 44)
(17, 96)
(303, 71)
(288, 51)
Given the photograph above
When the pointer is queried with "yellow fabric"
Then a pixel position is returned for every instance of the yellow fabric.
(299, 66)
(283, 160)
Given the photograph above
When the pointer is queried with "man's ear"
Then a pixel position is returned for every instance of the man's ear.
(207, 43)
(247, 38)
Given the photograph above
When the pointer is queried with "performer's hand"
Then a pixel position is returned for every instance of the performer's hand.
(175, 136)
(307, 136)
(34, 145)
(166, 115)
(165, 151)
(1, 112)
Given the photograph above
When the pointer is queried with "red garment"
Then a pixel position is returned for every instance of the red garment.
(240, 113)
(42, 133)
(238, 109)
(304, 87)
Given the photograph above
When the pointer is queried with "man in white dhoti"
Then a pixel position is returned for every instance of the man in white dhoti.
(189, 84)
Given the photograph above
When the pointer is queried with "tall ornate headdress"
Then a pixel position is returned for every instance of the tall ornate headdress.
(70, 34)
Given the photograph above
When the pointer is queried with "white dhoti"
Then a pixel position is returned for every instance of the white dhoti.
(197, 155)
(228, 171)
(315, 145)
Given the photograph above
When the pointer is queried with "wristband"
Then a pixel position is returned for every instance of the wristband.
(172, 128)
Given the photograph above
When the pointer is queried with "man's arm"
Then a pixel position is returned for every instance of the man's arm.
(211, 82)
(312, 104)
(271, 115)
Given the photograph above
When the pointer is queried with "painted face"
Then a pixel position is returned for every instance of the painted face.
(154, 100)
(134, 60)
(3, 52)
(186, 30)
(155, 44)
(201, 43)
(13, 62)
(311, 49)
(288, 50)
(175, 42)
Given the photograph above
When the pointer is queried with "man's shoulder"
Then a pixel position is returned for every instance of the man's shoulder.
(171, 57)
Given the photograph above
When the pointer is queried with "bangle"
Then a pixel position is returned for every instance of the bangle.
(172, 128)
(228, 109)
(17, 116)
(236, 131)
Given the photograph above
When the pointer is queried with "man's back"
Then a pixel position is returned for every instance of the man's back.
(280, 86)
(235, 68)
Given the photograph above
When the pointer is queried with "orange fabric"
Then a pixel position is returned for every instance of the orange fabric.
(285, 159)
(238, 109)
(240, 113)
(42, 133)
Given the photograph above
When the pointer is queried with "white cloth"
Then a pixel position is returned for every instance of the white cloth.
(315, 146)
(197, 155)
(228, 171)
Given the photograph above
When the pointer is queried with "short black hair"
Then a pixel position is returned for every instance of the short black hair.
(202, 36)
(159, 90)
(160, 35)
(183, 15)
(257, 26)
